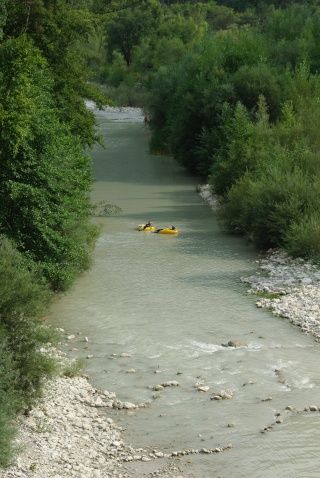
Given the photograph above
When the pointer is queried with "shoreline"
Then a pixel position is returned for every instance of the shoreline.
(289, 288)
(68, 434)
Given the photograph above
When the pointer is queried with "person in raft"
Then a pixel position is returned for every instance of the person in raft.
(149, 224)
(172, 228)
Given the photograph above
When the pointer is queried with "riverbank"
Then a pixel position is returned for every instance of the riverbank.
(68, 434)
(289, 287)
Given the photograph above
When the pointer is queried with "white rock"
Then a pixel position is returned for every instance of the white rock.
(171, 383)
(129, 405)
(203, 388)
(98, 402)
(116, 443)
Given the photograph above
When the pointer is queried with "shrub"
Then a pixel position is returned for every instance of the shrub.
(74, 368)
(8, 402)
(24, 298)
(303, 238)
(267, 207)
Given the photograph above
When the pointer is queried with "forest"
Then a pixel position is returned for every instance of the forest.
(232, 92)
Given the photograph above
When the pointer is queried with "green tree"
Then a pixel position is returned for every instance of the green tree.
(45, 176)
(250, 82)
(276, 202)
(128, 27)
(56, 27)
(292, 34)
(233, 160)
(202, 84)
(45, 182)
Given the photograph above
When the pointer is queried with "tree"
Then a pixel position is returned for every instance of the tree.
(45, 176)
(233, 160)
(45, 182)
(252, 81)
(128, 27)
(43, 23)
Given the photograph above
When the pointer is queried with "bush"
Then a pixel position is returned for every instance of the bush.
(24, 298)
(303, 238)
(8, 403)
(269, 206)
(232, 208)
(23, 290)
(24, 364)
(74, 368)
(7, 435)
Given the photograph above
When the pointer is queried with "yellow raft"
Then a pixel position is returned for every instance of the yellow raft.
(141, 228)
(167, 230)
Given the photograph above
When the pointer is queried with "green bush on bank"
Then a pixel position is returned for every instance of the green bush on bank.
(268, 206)
(23, 336)
(24, 299)
(276, 210)
(74, 368)
(9, 402)
(303, 238)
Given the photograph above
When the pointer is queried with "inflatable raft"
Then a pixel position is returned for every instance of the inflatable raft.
(167, 230)
(141, 228)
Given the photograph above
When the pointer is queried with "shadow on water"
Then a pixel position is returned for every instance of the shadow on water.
(148, 170)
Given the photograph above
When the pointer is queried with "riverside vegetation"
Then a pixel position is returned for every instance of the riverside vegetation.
(232, 92)
(45, 231)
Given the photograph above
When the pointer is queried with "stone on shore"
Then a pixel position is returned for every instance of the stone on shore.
(291, 289)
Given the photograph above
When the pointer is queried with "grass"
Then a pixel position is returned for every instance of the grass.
(74, 368)
(265, 295)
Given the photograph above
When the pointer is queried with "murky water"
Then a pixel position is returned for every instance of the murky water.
(171, 303)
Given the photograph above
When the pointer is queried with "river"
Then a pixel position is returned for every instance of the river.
(158, 308)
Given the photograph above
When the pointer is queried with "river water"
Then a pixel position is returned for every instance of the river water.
(170, 304)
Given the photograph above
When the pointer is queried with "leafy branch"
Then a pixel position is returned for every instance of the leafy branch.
(103, 208)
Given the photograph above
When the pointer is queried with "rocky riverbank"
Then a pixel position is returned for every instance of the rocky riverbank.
(69, 434)
(289, 287)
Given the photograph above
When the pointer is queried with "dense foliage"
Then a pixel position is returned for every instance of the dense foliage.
(45, 181)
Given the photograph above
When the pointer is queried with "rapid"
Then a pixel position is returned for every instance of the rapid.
(156, 308)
